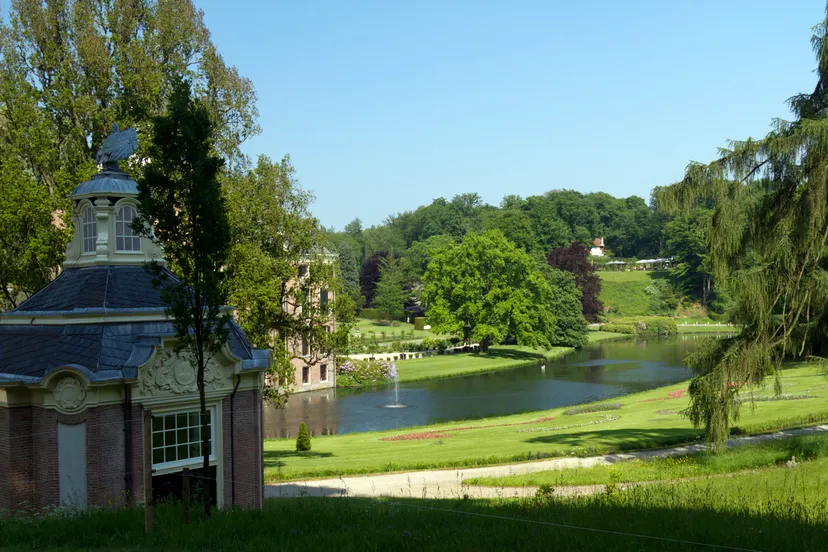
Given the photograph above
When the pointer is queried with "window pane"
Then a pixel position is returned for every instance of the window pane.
(195, 450)
(181, 420)
(195, 434)
(157, 440)
(194, 419)
(169, 454)
(169, 438)
(157, 424)
(158, 456)
(183, 452)
(182, 436)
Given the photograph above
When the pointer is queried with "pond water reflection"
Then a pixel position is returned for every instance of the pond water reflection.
(599, 371)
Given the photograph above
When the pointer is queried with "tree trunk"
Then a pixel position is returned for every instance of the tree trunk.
(484, 345)
(705, 290)
(205, 438)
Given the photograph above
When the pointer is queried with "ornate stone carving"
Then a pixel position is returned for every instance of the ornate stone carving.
(174, 374)
(70, 394)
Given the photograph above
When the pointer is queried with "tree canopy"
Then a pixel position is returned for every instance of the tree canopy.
(779, 297)
(486, 288)
(575, 260)
(68, 70)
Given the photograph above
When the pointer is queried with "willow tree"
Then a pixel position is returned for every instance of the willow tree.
(770, 200)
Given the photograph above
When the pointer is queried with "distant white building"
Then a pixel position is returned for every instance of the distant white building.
(597, 249)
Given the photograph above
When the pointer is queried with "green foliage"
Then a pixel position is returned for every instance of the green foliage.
(775, 263)
(182, 209)
(373, 314)
(303, 440)
(617, 327)
(663, 298)
(485, 289)
(390, 293)
(68, 70)
(274, 237)
(358, 373)
(419, 322)
(645, 326)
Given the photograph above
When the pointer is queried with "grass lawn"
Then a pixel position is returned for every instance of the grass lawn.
(761, 455)
(777, 509)
(645, 420)
(397, 330)
(624, 291)
(498, 358)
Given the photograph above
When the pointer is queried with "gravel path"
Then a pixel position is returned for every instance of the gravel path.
(449, 483)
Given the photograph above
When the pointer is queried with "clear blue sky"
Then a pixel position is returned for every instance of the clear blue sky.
(384, 106)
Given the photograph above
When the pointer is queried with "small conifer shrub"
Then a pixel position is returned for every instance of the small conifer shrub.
(303, 441)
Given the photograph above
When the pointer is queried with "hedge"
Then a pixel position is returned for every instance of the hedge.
(374, 314)
(419, 323)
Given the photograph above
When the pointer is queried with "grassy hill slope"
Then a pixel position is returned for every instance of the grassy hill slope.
(624, 292)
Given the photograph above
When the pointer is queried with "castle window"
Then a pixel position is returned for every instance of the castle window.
(89, 227)
(125, 238)
(176, 438)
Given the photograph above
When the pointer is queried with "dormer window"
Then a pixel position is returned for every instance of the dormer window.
(125, 238)
(89, 227)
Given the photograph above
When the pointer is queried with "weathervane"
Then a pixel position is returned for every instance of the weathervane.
(120, 144)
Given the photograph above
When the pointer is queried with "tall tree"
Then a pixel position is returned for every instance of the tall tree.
(781, 302)
(686, 241)
(390, 292)
(274, 235)
(68, 70)
(369, 275)
(182, 209)
(485, 288)
(575, 260)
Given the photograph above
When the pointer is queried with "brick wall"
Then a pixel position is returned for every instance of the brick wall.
(5, 460)
(248, 450)
(315, 381)
(29, 456)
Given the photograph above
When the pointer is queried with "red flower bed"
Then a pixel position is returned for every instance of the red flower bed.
(677, 394)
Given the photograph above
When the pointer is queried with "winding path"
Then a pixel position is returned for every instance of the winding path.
(449, 483)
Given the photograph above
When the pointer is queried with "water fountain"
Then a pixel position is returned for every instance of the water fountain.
(395, 375)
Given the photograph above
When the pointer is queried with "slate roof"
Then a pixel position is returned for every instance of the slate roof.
(97, 287)
(107, 182)
(104, 352)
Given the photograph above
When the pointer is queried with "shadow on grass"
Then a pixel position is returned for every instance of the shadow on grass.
(275, 458)
(511, 354)
(621, 439)
(653, 520)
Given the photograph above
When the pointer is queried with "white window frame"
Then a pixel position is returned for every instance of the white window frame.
(89, 229)
(197, 461)
(306, 367)
(124, 232)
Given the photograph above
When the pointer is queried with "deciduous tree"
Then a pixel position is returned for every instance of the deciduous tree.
(485, 288)
(183, 210)
(575, 260)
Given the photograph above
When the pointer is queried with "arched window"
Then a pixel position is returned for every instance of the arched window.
(89, 227)
(125, 238)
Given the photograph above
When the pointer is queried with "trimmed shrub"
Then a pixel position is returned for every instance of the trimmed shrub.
(419, 323)
(374, 314)
(618, 328)
(303, 442)
(592, 408)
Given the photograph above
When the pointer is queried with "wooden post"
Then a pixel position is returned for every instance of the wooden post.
(148, 471)
(185, 495)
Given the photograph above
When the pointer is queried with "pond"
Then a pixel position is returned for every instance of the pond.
(597, 372)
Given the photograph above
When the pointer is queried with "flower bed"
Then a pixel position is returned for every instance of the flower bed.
(677, 394)
(417, 436)
(592, 408)
(357, 373)
(603, 420)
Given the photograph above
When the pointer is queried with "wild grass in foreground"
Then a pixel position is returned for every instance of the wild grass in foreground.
(746, 457)
(783, 509)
